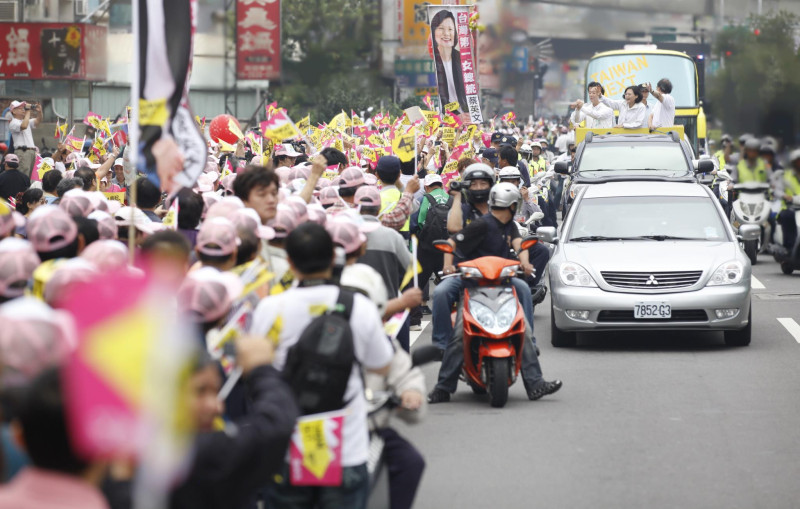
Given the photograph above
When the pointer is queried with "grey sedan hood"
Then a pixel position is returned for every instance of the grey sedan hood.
(649, 255)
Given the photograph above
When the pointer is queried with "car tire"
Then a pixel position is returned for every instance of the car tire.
(558, 337)
(740, 337)
(751, 250)
(787, 268)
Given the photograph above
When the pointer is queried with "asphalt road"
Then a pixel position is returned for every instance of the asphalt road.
(643, 420)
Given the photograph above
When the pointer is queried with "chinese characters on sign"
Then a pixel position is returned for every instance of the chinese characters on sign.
(52, 50)
(258, 54)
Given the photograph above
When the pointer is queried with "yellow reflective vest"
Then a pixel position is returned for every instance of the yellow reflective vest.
(758, 174)
(791, 184)
(535, 166)
(390, 196)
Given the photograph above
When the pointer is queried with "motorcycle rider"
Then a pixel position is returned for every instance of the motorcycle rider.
(539, 254)
(791, 188)
(537, 162)
(751, 168)
(491, 235)
(723, 155)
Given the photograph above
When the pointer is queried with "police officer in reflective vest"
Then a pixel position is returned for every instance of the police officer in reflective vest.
(791, 188)
(751, 168)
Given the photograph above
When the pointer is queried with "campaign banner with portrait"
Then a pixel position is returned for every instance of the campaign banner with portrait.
(452, 50)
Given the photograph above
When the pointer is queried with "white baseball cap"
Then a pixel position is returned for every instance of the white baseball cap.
(432, 178)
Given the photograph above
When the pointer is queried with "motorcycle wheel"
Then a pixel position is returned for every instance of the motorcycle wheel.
(477, 389)
(787, 268)
(498, 382)
(751, 250)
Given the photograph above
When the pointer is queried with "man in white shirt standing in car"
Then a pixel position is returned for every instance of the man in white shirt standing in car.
(24, 117)
(595, 113)
(663, 114)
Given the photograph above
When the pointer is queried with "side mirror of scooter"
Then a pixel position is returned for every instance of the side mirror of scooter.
(425, 355)
(529, 242)
(443, 246)
(536, 216)
(561, 167)
(547, 234)
(704, 166)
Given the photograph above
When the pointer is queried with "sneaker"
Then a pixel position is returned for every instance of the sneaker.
(426, 310)
(540, 390)
(438, 396)
(415, 327)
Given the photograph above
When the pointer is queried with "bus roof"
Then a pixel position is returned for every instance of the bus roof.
(641, 50)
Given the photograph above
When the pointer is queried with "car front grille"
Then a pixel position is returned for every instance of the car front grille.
(652, 280)
(678, 315)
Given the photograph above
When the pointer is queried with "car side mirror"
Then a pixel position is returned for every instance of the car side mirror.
(443, 246)
(561, 167)
(547, 234)
(704, 166)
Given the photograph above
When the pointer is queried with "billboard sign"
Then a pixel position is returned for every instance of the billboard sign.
(258, 34)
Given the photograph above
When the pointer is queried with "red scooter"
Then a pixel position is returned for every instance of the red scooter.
(494, 324)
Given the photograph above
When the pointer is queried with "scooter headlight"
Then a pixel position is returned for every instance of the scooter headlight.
(509, 271)
(471, 273)
(494, 323)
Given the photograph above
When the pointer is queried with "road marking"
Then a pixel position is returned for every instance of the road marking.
(755, 284)
(415, 334)
(792, 327)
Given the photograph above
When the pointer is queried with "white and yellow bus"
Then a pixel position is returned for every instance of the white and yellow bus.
(637, 64)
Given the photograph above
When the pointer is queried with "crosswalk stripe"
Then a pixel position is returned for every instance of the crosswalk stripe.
(792, 327)
(755, 284)
(415, 334)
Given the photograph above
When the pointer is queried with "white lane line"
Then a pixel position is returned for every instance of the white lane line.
(792, 327)
(415, 334)
(755, 284)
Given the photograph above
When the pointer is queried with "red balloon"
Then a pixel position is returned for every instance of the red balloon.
(219, 129)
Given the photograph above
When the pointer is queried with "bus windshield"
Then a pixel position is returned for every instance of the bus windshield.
(617, 72)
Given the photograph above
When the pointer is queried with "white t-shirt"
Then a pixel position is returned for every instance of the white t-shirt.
(451, 84)
(664, 112)
(288, 314)
(22, 137)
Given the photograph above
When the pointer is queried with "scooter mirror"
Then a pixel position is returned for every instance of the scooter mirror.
(443, 246)
(425, 354)
(529, 242)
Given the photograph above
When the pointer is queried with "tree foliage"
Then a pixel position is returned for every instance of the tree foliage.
(756, 88)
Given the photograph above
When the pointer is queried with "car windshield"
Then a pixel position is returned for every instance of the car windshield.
(611, 159)
(646, 218)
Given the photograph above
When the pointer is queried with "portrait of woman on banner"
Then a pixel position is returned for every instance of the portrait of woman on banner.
(448, 60)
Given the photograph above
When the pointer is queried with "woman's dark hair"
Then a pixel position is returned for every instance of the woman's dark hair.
(164, 238)
(67, 184)
(310, 248)
(249, 246)
(636, 91)
(455, 61)
(88, 176)
(69, 251)
(30, 196)
(50, 181)
(88, 228)
(190, 209)
(252, 177)
(147, 194)
(44, 426)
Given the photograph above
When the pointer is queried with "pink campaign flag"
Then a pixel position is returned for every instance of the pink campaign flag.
(315, 452)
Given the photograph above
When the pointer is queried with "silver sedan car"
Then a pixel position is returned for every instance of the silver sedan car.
(646, 255)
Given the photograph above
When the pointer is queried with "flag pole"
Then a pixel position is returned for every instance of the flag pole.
(133, 123)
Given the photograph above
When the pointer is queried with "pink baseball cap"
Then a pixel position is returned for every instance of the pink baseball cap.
(351, 177)
(9, 219)
(75, 202)
(225, 207)
(284, 222)
(248, 219)
(286, 149)
(297, 173)
(16, 104)
(68, 273)
(208, 293)
(299, 207)
(370, 179)
(18, 260)
(106, 226)
(283, 174)
(323, 183)
(316, 214)
(346, 234)
(217, 237)
(106, 255)
(33, 337)
(50, 228)
(11, 158)
(227, 182)
(209, 199)
(368, 196)
(330, 196)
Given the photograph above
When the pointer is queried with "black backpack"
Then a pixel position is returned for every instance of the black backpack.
(318, 366)
(435, 227)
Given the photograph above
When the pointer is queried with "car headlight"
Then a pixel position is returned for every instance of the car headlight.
(573, 274)
(471, 273)
(728, 273)
(494, 323)
(509, 271)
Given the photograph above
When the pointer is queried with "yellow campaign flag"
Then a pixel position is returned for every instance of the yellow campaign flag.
(449, 135)
(304, 124)
(403, 147)
(282, 132)
(153, 113)
(224, 146)
(233, 127)
(409, 275)
(450, 167)
(340, 121)
(368, 152)
(119, 196)
(453, 106)
(267, 146)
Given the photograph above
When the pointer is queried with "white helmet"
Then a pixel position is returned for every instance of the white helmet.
(794, 155)
(525, 148)
(504, 195)
(510, 173)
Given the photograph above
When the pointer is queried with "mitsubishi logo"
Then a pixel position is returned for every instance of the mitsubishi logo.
(652, 281)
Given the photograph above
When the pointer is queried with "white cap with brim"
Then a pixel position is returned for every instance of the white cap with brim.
(127, 216)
